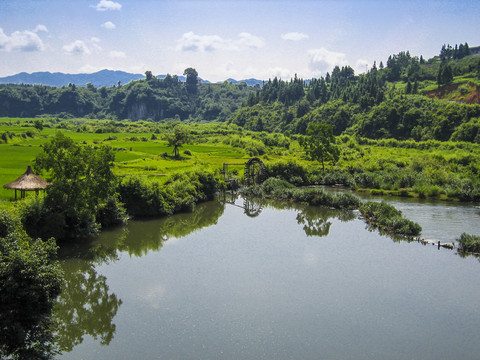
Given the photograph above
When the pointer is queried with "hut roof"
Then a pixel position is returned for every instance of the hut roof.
(28, 181)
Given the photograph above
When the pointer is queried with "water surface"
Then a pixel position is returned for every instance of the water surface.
(263, 281)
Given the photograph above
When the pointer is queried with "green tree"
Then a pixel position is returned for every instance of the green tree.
(30, 281)
(192, 80)
(319, 144)
(445, 74)
(82, 182)
(176, 139)
(148, 75)
(38, 124)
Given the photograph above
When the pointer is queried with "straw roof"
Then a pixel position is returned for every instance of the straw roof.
(28, 181)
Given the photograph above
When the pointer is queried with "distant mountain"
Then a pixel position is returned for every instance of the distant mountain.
(100, 78)
(249, 82)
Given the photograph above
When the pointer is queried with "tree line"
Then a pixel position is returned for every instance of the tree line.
(150, 98)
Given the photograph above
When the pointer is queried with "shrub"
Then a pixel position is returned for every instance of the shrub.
(30, 281)
(290, 171)
(388, 217)
(469, 243)
(111, 213)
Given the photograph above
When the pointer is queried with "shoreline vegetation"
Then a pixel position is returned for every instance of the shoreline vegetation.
(377, 214)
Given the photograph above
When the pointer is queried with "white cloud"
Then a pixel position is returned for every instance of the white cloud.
(294, 36)
(200, 43)
(117, 54)
(40, 27)
(207, 43)
(250, 40)
(323, 60)
(77, 47)
(21, 41)
(108, 25)
(361, 66)
(105, 5)
(279, 72)
(88, 69)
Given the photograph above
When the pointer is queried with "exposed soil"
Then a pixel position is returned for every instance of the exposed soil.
(443, 93)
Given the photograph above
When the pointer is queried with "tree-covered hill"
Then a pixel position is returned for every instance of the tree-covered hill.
(409, 98)
(150, 98)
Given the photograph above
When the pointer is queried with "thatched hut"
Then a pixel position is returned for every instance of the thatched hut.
(27, 182)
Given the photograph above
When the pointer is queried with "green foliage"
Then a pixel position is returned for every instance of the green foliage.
(280, 189)
(192, 80)
(176, 139)
(179, 193)
(30, 281)
(152, 98)
(82, 181)
(290, 171)
(319, 144)
(468, 131)
(387, 217)
(469, 243)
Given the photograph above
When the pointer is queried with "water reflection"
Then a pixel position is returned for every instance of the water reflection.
(316, 222)
(202, 280)
(85, 306)
(252, 207)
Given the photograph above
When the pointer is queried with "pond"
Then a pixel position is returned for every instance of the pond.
(238, 279)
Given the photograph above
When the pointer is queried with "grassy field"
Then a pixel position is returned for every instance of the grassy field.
(444, 170)
(135, 152)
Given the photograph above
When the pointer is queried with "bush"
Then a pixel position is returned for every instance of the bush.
(290, 171)
(469, 243)
(179, 193)
(30, 281)
(388, 217)
(111, 213)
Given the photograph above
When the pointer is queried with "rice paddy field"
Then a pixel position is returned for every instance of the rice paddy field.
(443, 170)
(136, 152)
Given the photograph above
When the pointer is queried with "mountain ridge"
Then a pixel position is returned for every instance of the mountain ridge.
(100, 78)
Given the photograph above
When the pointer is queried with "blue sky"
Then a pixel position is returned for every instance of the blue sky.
(229, 38)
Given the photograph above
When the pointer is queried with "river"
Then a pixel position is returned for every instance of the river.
(247, 280)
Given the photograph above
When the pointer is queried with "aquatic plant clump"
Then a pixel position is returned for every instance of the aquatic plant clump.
(389, 218)
(380, 214)
(469, 243)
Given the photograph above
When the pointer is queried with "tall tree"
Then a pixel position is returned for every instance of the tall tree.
(192, 80)
(176, 139)
(82, 181)
(319, 144)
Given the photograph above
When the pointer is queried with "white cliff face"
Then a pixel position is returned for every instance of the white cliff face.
(141, 111)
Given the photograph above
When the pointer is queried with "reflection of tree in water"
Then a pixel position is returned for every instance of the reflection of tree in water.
(85, 306)
(315, 219)
(180, 225)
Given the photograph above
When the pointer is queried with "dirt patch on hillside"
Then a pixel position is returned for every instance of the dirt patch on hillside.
(474, 97)
(450, 93)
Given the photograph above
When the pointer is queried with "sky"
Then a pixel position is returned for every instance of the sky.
(238, 39)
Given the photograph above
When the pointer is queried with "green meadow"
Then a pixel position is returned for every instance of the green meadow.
(433, 169)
